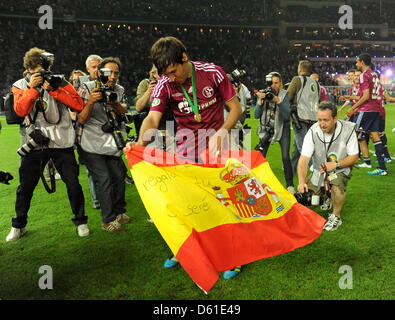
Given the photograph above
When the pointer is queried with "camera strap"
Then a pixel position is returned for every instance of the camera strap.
(51, 171)
(330, 142)
(269, 113)
(327, 185)
(39, 107)
(194, 105)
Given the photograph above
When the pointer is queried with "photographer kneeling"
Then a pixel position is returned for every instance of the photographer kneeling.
(273, 111)
(333, 146)
(44, 99)
(101, 139)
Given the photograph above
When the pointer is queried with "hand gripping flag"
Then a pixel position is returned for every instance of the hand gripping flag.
(215, 217)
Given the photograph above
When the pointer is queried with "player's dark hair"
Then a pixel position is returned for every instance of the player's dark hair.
(167, 51)
(365, 58)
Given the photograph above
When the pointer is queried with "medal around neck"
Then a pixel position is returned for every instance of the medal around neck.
(194, 105)
(198, 117)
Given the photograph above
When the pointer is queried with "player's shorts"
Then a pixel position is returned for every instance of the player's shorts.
(382, 124)
(354, 117)
(368, 122)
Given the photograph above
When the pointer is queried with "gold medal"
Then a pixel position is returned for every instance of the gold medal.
(198, 117)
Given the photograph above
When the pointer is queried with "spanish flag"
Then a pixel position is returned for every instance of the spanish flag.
(215, 217)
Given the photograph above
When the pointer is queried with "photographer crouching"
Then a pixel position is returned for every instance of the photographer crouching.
(333, 147)
(273, 111)
(44, 99)
(101, 139)
(244, 97)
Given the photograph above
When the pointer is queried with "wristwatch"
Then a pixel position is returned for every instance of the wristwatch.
(337, 165)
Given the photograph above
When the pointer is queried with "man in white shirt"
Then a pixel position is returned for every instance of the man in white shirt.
(333, 144)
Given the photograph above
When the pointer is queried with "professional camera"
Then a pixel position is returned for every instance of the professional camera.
(37, 138)
(46, 60)
(130, 118)
(269, 91)
(295, 119)
(5, 177)
(265, 131)
(265, 140)
(312, 199)
(236, 75)
(249, 103)
(304, 198)
(113, 125)
(108, 92)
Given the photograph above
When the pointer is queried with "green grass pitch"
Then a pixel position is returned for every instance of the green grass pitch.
(129, 265)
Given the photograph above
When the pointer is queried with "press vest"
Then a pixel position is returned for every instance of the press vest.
(337, 149)
(81, 80)
(308, 99)
(91, 137)
(278, 119)
(62, 134)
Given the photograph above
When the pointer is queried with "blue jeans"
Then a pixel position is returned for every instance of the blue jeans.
(92, 188)
(108, 173)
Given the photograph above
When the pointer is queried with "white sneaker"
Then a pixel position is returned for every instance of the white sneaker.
(291, 189)
(83, 230)
(329, 221)
(363, 165)
(333, 223)
(15, 234)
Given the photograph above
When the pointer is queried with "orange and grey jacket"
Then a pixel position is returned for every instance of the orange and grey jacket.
(56, 124)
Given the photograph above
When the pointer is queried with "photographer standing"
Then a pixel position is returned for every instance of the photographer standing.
(244, 96)
(91, 64)
(242, 92)
(304, 95)
(273, 110)
(143, 101)
(144, 91)
(101, 141)
(44, 100)
(332, 145)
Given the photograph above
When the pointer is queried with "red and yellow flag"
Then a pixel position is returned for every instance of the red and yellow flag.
(218, 216)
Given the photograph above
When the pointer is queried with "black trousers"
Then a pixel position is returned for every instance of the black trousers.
(108, 173)
(299, 135)
(32, 165)
(285, 144)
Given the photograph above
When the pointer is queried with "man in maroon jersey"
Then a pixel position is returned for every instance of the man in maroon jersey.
(193, 109)
(369, 107)
(196, 93)
(363, 137)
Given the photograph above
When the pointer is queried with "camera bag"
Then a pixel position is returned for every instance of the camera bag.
(10, 115)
